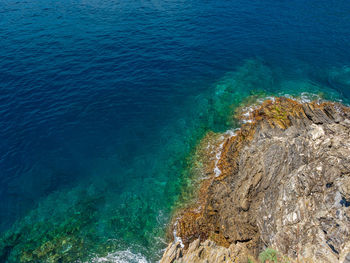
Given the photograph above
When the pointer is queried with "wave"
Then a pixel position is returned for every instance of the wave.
(125, 256)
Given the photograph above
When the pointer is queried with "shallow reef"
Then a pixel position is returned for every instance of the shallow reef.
(128, 210)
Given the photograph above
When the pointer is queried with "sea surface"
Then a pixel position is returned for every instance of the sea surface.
(102, 103)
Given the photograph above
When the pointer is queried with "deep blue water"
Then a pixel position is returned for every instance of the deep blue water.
(101, 102)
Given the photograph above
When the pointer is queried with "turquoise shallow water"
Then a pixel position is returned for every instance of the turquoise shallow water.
(102, 102)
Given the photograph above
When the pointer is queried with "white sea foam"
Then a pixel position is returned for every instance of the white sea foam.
(217, 171)
(305, 97)
(246, 118)
(230, 134)
(247, 121)
(125, 256)
(177, 238)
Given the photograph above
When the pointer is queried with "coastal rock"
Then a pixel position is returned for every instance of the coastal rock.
(284, 183)
(208, 251)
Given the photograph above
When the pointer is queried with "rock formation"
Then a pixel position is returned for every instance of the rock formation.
(282, 181)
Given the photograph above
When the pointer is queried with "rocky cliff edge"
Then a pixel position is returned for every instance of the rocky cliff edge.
(282, 181)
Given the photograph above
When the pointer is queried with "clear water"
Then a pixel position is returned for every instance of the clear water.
(102, 102)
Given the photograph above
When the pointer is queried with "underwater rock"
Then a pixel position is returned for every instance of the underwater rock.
(284, 183)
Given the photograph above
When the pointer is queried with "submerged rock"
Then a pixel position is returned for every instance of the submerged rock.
(284, 183)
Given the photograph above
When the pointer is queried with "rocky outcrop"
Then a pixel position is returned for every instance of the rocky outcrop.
(206, 251)
(281, 181)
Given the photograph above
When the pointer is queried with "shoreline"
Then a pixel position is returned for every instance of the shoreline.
(196, 221)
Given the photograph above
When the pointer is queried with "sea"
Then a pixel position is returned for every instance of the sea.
(102, 103)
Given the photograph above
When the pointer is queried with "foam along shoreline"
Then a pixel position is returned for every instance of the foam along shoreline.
(120, 257)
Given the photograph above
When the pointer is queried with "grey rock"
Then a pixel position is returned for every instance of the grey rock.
(285, 185)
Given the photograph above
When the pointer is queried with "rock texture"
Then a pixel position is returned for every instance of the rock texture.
(283, 182)
(206, 251)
